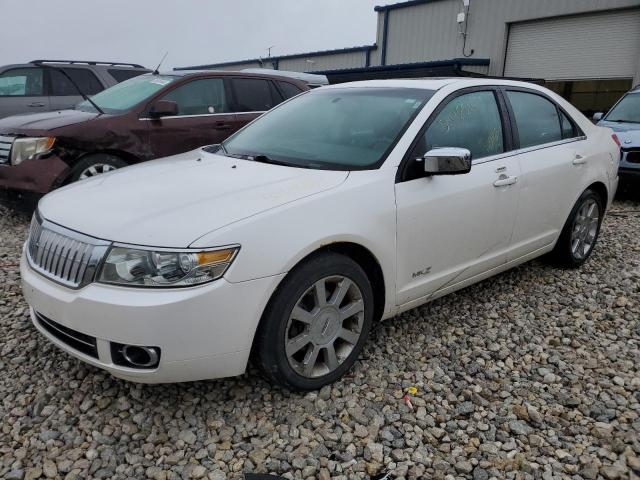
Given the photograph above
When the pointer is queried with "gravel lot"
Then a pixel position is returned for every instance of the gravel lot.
(532, 374)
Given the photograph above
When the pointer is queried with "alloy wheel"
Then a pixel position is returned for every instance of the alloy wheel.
(324, 326)
(585, 229)
(95, 169)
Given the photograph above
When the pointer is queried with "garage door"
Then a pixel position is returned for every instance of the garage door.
(597, 46)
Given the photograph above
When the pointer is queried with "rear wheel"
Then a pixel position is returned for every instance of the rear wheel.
(316, 324)
(581, 231)
(93, 165)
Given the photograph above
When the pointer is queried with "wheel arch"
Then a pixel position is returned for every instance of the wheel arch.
(359, 254)
(602, 191)
(126, 157)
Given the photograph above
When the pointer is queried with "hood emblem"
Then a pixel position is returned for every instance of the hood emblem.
(627, 141)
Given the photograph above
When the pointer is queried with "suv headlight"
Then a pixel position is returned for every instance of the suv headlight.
(25, 148)
(163, 268)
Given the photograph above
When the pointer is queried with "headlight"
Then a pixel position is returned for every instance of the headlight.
(25, 148)
(146, 268)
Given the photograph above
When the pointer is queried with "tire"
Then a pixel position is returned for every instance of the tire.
(93, 165)
(580, 234)
(320, 328)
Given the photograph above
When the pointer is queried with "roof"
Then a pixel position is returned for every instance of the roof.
(310, 78)
(395, 6)
(319, 53)
(236, 73)
(433, 83)
(427, 84)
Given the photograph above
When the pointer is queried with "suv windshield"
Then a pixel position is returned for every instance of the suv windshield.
(340, 129)
(122, 97)
(627, 109)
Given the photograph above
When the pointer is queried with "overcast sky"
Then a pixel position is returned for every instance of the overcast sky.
(192, 31)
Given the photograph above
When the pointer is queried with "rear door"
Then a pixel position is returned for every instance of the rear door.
(63, 93)
(204, 118)
(22, 90)
(553, 154)
(252, 97)
(451, 228)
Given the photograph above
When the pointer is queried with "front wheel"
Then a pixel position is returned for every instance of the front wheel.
(316, 324)
(93, 165)
(581, 231)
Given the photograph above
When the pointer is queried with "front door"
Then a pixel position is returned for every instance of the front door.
(204, 118)
(452, 228)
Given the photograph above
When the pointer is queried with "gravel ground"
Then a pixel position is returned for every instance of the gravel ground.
(532, 374)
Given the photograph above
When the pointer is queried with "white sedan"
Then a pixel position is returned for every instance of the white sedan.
(340, 208)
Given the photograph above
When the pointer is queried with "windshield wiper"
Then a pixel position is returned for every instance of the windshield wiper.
(623, 121)
(82, 94)
(266, 159)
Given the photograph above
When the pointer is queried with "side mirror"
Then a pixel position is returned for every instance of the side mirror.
(598, 116)
(163, 108)
(447, 161)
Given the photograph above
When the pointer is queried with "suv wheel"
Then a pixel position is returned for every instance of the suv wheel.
(316, 324)
(93, 165)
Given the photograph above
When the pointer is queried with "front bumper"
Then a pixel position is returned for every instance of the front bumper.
(37, 175)
(203, 332)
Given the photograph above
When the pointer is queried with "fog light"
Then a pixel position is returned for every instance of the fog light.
(135, 356)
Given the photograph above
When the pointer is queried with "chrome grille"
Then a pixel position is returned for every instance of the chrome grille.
(65, 256)
(5, 149)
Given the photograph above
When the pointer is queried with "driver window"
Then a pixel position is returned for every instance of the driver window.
(200, 97)
(470, 121)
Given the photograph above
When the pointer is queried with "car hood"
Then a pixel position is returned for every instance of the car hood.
(628, 133)
(173, 201)
(39, 123)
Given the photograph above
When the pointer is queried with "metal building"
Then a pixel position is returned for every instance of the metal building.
(586, 50)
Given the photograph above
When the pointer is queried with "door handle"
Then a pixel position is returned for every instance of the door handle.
(579, 159)
(36, 104)
(505, 180)
(222, 126)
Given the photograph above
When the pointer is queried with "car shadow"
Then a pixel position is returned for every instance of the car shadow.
(629, 192)
(21, 203)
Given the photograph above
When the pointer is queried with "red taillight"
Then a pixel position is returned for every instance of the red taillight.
(616, 139)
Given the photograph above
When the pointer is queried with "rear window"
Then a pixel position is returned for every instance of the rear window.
(254, 95)
(121, 75)
(85, 79)
(536, 118)
(288, 89)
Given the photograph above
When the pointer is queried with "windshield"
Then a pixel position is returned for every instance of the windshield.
(627, 109)
(122, 97)
(341, 129)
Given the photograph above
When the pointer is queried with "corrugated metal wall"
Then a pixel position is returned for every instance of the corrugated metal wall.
(430, 31)
(324, 62)
(242, 66)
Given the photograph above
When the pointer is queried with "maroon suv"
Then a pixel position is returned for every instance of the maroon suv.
(146, 117)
